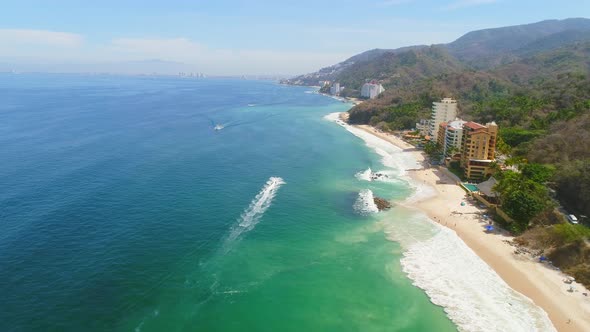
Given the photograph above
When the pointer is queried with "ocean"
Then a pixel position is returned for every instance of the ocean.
(162, 203)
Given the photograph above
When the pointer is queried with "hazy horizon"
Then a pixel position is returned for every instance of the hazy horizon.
(239, 37)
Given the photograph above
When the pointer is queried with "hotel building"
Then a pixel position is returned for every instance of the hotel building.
(478, 149)
(450, 136)
(443, 111)
(371, 90)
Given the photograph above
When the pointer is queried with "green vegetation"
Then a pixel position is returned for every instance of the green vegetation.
(522, 197)
(433, 150)
(514, 136)
(399, 117)
(456, 169)
(573, 185)
(537, 172)
(568, 233)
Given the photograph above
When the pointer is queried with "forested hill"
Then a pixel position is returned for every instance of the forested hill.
(484, 49)
(478, 50)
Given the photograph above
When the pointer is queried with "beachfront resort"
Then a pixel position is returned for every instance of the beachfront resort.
(469, 176)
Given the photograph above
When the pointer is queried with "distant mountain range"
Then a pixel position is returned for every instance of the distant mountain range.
(480, 50)
(154, 66)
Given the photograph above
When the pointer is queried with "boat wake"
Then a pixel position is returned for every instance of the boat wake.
(251, 216)
(364, 204)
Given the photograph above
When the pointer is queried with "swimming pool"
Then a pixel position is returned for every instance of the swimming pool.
(470, 186)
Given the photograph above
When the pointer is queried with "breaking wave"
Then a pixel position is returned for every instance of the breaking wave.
(364, 175)
(471, 293)
(251, 216)
(379, 176)
(364, 204)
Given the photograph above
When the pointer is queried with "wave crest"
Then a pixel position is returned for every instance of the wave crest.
(365, 203)
(471, 293)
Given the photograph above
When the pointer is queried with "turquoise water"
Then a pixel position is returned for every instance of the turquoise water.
(121, 209)
(471, 187)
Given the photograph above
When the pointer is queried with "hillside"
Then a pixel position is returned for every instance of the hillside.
(334, 72)
(548, 64)
(400, 68)
(488, 48)
(479, 50)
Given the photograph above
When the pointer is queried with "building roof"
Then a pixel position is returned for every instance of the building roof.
(473, 125)
(487, 187)
(457, 124)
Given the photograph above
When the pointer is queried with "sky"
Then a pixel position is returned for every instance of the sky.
(224, 37)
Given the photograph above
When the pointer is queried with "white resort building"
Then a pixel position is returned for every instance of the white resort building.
(443, 111)
(450, 135)
(335, 89)
(371, 90)
(423, 127)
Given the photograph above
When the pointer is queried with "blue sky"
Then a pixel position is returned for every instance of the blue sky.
(245, 37)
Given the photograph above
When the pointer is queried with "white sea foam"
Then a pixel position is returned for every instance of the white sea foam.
(392, 156)
(251, 216)
(364, 175)
(471, 293)
(379, 176)
(365, 203)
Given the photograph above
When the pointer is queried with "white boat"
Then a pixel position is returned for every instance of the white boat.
(218, 127)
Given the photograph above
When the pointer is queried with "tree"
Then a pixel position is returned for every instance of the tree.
(573, 185)
(522, 206)
(433, 150)
(522, 198)
(538, 172)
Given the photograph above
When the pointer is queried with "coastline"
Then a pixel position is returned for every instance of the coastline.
(544, 286)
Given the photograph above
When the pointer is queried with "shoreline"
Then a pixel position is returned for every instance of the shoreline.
(542, 285)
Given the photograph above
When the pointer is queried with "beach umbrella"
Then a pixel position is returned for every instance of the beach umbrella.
(542, 258)
(489, 228)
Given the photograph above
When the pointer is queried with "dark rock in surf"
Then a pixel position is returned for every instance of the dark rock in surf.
(381, 203)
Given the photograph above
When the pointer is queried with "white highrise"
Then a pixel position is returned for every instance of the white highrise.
(335, 89)
(443, 111)
(452, 136)
(371, 90)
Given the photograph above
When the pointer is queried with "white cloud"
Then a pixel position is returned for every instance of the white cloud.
(467, 3)
(220, 61)
(43, 49)
(13, 37)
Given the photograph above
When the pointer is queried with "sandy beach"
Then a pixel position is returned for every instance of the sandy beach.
(568, 311)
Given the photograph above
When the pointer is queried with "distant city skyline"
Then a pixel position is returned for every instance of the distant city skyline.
(241, 37)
